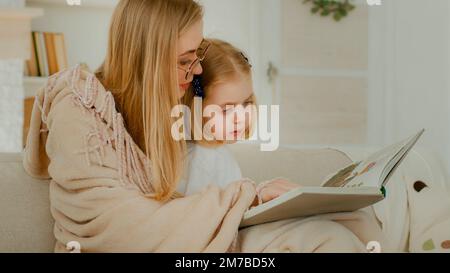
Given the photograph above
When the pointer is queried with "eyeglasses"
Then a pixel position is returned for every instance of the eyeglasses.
(201, 54)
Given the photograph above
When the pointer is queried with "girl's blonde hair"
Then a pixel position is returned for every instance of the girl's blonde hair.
(223, 63)
(140, 69)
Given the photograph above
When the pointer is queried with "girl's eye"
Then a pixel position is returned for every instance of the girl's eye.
(228, 109)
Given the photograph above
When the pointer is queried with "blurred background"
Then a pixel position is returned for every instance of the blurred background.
(344, 74)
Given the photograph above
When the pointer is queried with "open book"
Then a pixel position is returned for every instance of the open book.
(356, 186)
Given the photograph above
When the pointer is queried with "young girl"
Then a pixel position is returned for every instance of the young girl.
(225, 91)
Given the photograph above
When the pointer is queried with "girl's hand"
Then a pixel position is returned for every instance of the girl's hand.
(269, 190)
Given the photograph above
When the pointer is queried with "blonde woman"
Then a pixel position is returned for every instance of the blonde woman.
(104, 141)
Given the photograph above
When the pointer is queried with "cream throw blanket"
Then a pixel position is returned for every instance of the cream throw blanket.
(100, 190)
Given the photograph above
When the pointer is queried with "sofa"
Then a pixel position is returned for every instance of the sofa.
(27, 226)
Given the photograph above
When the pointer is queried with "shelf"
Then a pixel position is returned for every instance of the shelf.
(84, 3)
(35, 80)
(20, 13)
(88, 22)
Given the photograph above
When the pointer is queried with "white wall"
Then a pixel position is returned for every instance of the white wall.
(85, 30)
(11, 97)
(322, 83)
(410, 71)
(408, 57)
(238, 22)
(86, 27)
(12, 3)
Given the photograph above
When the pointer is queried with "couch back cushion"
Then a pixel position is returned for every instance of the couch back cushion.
(308, 167)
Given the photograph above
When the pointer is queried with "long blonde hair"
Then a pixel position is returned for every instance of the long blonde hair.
(140, 71)
(223, 63)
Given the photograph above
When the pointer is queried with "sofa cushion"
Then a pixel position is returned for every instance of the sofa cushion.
(308, 167)
(26, 224)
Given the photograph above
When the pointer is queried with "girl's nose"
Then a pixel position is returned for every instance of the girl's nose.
(239, 114)
(236, 117)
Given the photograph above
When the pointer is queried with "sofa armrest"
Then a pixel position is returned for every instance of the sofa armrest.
(26, 225)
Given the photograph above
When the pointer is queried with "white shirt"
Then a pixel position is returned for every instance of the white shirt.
(208, 166)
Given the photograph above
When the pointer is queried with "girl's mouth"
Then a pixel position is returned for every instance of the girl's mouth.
(236, 133)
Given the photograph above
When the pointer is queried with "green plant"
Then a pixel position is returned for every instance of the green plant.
(337, 8)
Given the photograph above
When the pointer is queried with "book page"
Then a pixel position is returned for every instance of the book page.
(373, 171)
(395, 162)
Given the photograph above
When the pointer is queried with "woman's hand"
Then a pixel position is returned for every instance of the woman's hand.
(269, 190)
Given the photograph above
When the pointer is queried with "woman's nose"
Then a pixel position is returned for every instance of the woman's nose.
(198, 69)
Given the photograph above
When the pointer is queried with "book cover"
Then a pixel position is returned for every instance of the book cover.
(60, 50)
(32, 66)
(51, 54)
(43, 52)
(38, 52)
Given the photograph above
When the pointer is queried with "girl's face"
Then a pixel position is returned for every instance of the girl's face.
(231, 100)
(187, 47)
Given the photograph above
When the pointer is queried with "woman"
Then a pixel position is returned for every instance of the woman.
(104, 141)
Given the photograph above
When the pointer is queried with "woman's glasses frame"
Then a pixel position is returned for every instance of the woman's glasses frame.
(201, 52)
